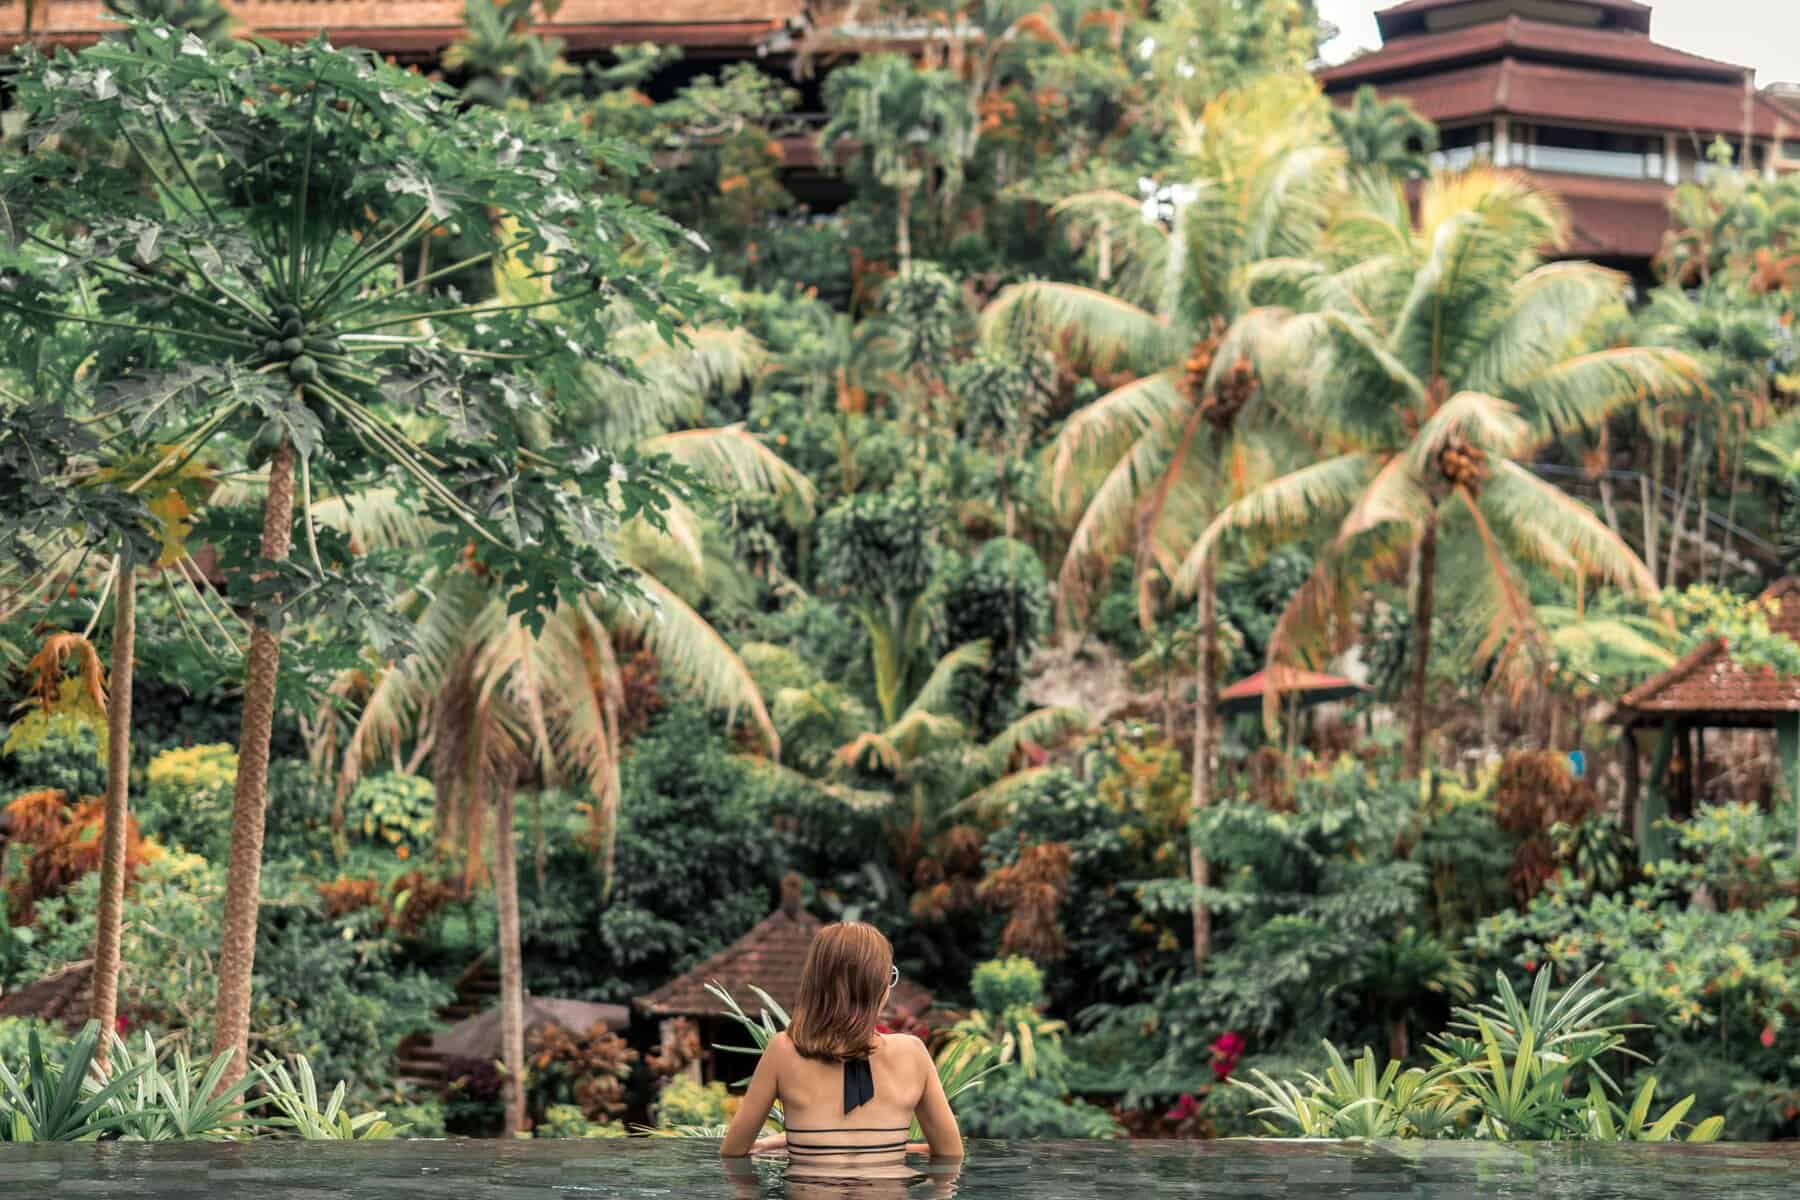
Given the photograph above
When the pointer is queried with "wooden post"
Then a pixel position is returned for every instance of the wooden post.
(1656, 798)
(1628, 761)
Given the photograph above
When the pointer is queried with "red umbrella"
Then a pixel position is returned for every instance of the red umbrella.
(1305, 687)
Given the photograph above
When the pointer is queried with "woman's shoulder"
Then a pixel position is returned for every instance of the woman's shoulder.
(905, 1045)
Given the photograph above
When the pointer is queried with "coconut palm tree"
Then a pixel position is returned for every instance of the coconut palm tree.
(1144, 466)
(1385, 139)
(907, 124)
(1438, 359)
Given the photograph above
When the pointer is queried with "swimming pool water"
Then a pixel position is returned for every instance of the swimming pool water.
(1150, 1170)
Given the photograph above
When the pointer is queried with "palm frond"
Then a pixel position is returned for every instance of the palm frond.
(1552, 527)
(1088, 326)
(861, 799)
(935, 694)
(1284, 505)
(1550, 309)
(1102, 430)
(669, 382)
(1041, 727)
(1584, 391)
(695, 653)
(999, 797)
(1476, 417)
(737, 460)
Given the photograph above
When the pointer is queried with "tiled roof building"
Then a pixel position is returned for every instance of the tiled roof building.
(1574, 91)
(1667, 718)
(420, 29)
(770, 956)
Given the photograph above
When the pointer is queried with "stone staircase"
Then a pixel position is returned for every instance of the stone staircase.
(416, 1064)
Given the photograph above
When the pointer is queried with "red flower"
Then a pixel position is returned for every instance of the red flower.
(1768, 1036)
(120, 1024)
(1227, 1048)
(1184, 1108)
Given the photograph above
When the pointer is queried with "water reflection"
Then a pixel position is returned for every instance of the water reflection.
(775, 1178)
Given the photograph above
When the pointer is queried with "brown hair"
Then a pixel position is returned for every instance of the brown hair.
(842, 989)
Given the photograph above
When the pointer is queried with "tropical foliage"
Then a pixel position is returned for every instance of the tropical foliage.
(466, 539)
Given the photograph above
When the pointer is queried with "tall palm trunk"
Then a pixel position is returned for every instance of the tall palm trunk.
(903, 226)
(1421, 648)
(243, 878)
(1204, 705)
(512, 973)
(104, 1006)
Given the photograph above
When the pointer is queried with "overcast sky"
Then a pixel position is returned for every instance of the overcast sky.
(1764, 34)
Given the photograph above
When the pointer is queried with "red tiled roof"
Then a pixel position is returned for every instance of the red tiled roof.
(1708, 681)
(770, 957)
(1611, 218)
(1583, 97)
(1285, 679)
(427, 26)
(1411, 15)
(1537, 39)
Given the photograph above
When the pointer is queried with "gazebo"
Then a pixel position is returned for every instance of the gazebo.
(770, 957)
(1705, 690)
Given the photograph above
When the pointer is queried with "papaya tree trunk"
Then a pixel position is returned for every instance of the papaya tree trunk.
(104, 1006)
(1421, 648)
(243, 878)
(1204, 704)
(903, 225)
(1399, 1040)
(512, 972)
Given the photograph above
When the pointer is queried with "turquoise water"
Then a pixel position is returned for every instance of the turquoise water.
(493, 1170)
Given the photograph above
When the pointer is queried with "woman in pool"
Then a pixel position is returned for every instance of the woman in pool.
(848, 1094)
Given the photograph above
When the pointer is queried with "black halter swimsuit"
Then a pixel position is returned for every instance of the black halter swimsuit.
(859, 1089)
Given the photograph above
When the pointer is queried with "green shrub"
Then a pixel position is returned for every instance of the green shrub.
(64, 754)
(187, 799)
(568, 1121)
(684, 1102)
(1028, 1095)
(1005, 984)
(695, 868)
(394, 810)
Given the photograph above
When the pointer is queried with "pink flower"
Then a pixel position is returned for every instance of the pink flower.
(1768, 1036)
(1184, 1108)
(1227, 1048)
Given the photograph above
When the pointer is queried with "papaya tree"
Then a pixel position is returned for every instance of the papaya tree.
(249, 210)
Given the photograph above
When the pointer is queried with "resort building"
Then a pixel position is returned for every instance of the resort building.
(419, 30)
(1576, 92)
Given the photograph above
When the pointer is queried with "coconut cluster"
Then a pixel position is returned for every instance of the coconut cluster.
(1463, 464)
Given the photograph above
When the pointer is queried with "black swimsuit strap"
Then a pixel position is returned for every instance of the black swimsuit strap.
(859, 1083)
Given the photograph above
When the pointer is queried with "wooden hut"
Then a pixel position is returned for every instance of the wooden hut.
(1666, 717)
(770, 956)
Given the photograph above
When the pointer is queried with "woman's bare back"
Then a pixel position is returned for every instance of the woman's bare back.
(871, 1138)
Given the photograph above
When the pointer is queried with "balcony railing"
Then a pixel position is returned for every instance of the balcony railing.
(1614, 164)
